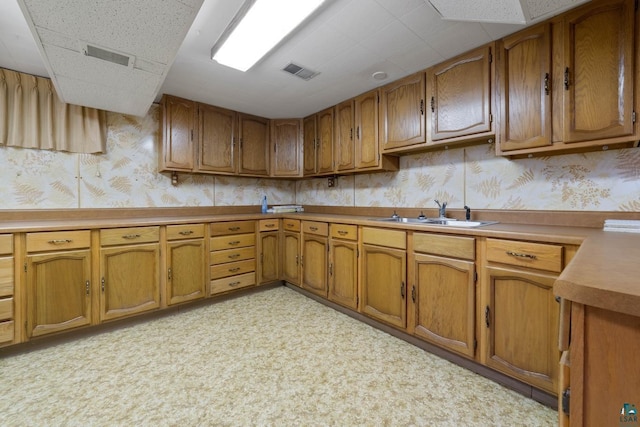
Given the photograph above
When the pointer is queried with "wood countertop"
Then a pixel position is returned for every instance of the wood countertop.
(605, 272)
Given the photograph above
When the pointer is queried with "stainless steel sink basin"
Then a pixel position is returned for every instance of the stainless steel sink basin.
(437, 221)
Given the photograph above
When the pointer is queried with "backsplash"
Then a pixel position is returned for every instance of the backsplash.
(126, 176)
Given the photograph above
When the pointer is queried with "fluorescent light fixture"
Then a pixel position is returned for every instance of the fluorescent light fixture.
(264, 25)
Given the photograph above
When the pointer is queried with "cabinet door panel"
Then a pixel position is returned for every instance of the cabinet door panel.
(59, 294)
(286, 139)
(310, 145)
(599, 71)
(216, 148)
(445, 302)
(343, 271)
(366, 123)
(291, 258)
(402, 119)
(185, 277)
(344, 141)
(325, 141)
(179, 117)
(254, 145)
(269, 246)
(314, 266)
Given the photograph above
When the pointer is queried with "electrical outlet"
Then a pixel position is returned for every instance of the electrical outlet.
(331, 182)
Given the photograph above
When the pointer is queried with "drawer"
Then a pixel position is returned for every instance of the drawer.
(541, 256)
(6, 331)
(384, 237)
(313, 227)
(231, 283)
(230, 255)
(6, 309)
(6, 276)
(185, 231)
(232, 227)
(232, 268)
(58, 240)
(6, 244)
(443, 245)
(344, 231)
(291, 224)
(131, 235)
(269, 224)
(234, 241)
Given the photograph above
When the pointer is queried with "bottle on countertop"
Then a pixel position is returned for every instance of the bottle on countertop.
(264, 204)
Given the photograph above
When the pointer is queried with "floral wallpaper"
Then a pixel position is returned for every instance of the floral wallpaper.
(126, 176)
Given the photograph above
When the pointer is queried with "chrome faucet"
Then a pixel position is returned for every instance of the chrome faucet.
(442, 213)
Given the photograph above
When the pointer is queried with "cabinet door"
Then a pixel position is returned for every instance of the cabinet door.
(325, 141)
(268, 270)
(343, 273)
(460, 96)
(291, 258)
(524, 82)
(216, 133)
(178, 116)
(599, 71)
(344, 144)
(59, 291)
(185, 270)
(254, 145)
(402, 119)
(286, 139)
(521, 318)
(443, 295)
(366, 124)
(310, 145)
(314, 264)
(129, 280)
(384, 279)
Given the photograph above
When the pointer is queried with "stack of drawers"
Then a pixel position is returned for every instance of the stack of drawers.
(6, 289)
(232, 258)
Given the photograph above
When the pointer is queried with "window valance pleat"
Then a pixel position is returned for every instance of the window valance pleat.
(32, 116)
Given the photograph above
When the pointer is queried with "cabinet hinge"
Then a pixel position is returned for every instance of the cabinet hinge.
(490, 57)
(25, 267)
(490, 118)
(475, 277)
(475, 344)
(633, 117)
(357, 301)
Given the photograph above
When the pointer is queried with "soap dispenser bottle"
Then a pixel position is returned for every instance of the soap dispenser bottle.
(264, 204)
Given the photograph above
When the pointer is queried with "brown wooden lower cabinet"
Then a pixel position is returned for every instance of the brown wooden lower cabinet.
(185, 260)
(315, 245)
(268, 250)
(232, 257)
(291, 251)
(343, 265)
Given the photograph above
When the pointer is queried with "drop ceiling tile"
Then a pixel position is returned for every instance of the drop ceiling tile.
(360, 18)
(319, 47)
(419, 57)
(393, 39)
(425, 22)
(399, 8)
(497, 31)
(459, 38)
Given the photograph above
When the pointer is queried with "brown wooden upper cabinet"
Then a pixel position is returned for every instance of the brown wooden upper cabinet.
(318, 143)
(402, 113)
(253, 132)
(310, 145)
(286, 140)
(344, 149)
(568, 85)
(217, 129)
(178, 129)
(459, 94)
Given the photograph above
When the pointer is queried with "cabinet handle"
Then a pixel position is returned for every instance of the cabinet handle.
(402, 290)
(422, 107)
(234, 228)
(413, 293)
(297, 256)
(269, 225)
(566, 78)
(487, 315)
(234, 269)
(235, 242)
(169, 274)
(330, 269)
(59, 241)
(343, 232)
(351, 134)
(433, 104)
(358, 132)
(86, 287)
(313, 228)
(546, 83)
(301, 260)
(520, 255)
(131, 236)
(102, 283)
(186, 232)
(234, 283)
(233, 256)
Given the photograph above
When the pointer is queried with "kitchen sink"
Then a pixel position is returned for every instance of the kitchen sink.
(449, 222)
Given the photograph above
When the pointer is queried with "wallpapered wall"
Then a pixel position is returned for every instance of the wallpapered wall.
(126, 177)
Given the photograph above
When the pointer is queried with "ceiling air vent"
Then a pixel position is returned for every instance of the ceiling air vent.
(107, 55)
(303, 73)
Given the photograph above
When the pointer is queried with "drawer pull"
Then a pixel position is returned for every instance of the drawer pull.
(269, 225)
(235, 242)
(233, 256)
(186, 232)
(131, 236)
(59, 241)
(234, 228)
(234, 269)
(521, 255)
(313, 228)
(234, 283)
(342, 232)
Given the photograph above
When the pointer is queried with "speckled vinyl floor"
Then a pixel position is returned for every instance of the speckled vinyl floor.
(274, 358)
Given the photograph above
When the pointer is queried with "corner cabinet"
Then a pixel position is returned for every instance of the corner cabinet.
(460, 99)
(384, 275)
(178, 134)
(129, 271)
(185, 263)
(402, 113)
(58, 281)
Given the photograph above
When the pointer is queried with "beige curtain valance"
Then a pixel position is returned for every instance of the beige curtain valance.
(32, 116)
